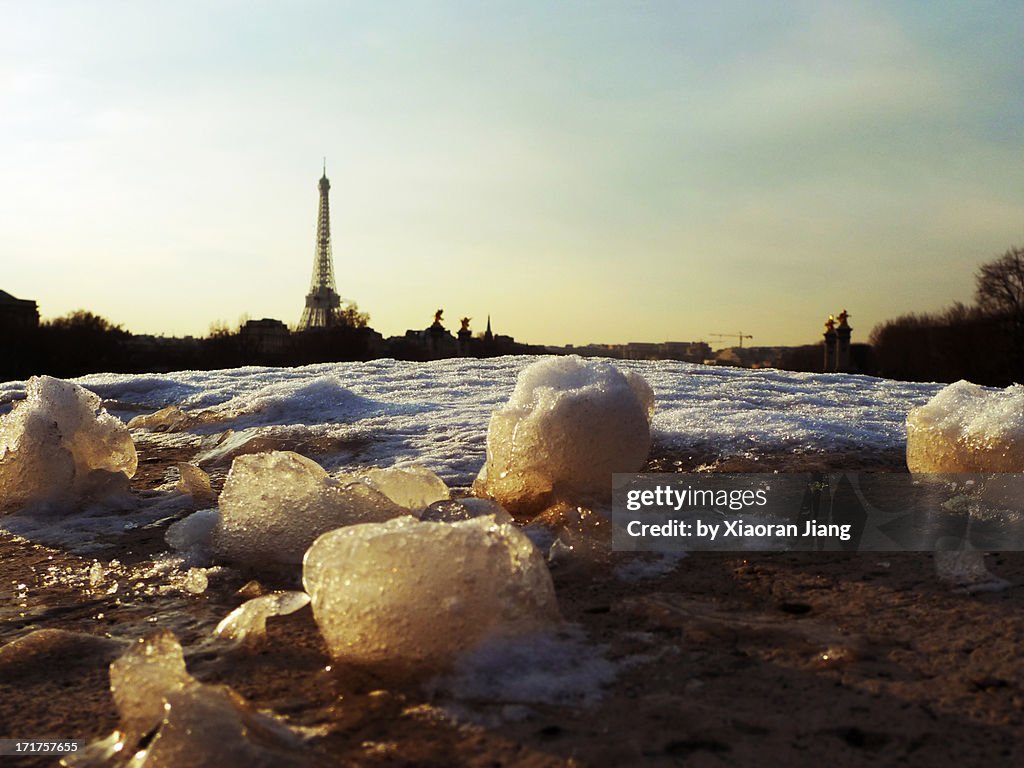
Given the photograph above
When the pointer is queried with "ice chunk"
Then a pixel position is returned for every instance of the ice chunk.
(59, 445)
(211, 725)
(567, 531)
(142, 678)
(968, 428)
(195, 482)
(274, 505)
(453, 510)
(251, 589)
(567, 428)
(248, 622)
(169, 419)
(412, 593)
(413, 487)
(192, 723)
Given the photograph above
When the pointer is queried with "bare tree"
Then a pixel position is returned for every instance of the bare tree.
(1000, 286)
(999, 294)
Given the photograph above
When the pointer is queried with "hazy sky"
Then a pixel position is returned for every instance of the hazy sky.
(581, 171)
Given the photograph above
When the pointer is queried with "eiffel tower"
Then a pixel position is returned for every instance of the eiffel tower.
(322, 301)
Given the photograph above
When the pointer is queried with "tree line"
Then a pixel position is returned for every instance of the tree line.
(982, 342)
(82, 342)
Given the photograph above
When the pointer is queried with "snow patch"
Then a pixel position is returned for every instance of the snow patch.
(59, 447)
(568, 426)
(968, 428)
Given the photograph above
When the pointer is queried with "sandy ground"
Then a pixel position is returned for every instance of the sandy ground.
(766, 659)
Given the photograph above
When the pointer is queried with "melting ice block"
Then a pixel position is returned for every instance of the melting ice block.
(275, 504)
(59, 445)
(567, 428)
(968, 428)
(413, 593)
(413, 487)
(195, 482)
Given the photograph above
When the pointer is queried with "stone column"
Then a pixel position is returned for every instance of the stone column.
(830, 345)
(465, 342)
(843, 342)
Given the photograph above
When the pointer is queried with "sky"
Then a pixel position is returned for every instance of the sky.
(581, 171)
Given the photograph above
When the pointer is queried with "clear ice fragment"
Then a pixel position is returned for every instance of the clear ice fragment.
(142, 678)
(196, 483)
(413, 487)
(248, 622)
(412, 593)
(168, 718)
(274, 505)
(211, 725)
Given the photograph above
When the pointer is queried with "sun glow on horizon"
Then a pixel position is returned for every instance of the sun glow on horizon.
(581, 173)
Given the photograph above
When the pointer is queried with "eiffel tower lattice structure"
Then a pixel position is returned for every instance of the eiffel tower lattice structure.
(322, 301)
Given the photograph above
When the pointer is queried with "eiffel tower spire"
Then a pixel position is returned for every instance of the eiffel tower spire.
(322, 301)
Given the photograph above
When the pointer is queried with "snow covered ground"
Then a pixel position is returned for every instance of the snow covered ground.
(437, 413)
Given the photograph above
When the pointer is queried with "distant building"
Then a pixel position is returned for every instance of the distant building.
(436, 342)
(432, 343)
(266, 337)
(17, 314)
(686, 351)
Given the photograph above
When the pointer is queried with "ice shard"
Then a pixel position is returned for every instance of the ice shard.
(414, 487)
(274, 505)
(247, 624)
(168, 718)
(416, 594)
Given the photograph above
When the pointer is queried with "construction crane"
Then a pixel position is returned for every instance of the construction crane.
(740, 335)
